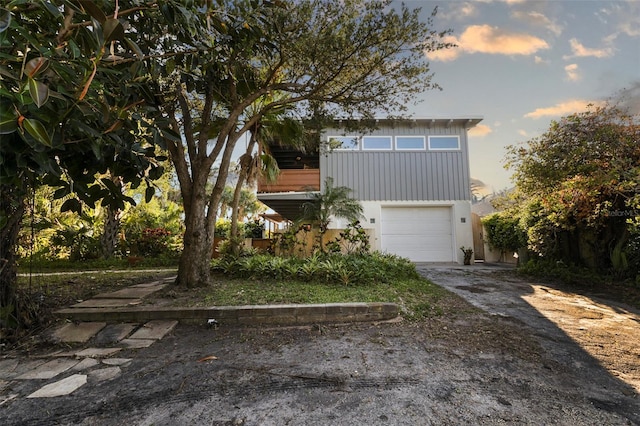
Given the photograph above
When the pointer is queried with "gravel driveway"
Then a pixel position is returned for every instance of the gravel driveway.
(513, 364)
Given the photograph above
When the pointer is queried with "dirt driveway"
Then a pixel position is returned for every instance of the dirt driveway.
(536, 356)
(584, 324)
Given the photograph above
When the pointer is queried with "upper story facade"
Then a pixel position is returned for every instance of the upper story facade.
(425, 159)
(422, 159)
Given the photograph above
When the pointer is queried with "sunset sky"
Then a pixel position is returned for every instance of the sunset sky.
(520, 64)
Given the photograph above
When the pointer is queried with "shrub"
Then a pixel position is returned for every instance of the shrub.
(353, 239)
(504, 232)
(76, 243)
(151, 242)
(354, 269)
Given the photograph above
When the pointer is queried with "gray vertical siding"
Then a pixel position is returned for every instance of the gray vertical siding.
(402, 175)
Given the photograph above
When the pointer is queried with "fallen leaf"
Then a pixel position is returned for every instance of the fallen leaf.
(208, 358)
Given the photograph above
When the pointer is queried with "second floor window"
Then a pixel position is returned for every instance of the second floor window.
(377, 143)
(349, 143)
(441, 143)
(410, 143)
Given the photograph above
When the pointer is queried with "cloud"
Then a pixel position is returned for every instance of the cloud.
(538, 60)
(624, 15)
(580, 51)
(522, 133)
(538, 19)
(561, 109)
(480, 130)
(467, 9)
(490, 40)
(573, 73)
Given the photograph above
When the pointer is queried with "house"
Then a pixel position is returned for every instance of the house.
(411, 176)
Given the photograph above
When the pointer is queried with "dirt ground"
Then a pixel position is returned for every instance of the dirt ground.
(531, 355)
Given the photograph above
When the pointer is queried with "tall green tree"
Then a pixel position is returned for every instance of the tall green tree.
(71, 110)
(332, 202)
(352, 58)
(582, 182)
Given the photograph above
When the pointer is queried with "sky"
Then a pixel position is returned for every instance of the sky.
(520, 64)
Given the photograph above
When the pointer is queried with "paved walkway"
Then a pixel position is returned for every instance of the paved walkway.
(91, 351)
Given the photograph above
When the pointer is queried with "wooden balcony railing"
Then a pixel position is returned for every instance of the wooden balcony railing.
(298, 180)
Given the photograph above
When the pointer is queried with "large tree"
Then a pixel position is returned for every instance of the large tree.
(71, 113)
(581, 180)
(350, 58)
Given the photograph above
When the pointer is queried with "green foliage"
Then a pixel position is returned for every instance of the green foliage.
(253, 229)
(292, 241)
(69, 111)
(151, 242)
(49, 234)
(352, 269)
(333, 201)
(76, 243)
(223, 228)
(504, 232)
(580, 181)
(74, 107)
(353, 240)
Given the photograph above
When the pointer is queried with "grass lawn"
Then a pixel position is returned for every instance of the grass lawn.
(46, 292)
(418, 296)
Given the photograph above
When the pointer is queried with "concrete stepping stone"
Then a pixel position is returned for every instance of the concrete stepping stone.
(49, 370)
(137, 343)
(61, 387)
(145, 285)
(131, 292)
(24, 367)
(104, 374)
(116, 361)
(78, 333)
(154, 330)
(107, 303)
(97, 352)
(113, 333)
(85, 364)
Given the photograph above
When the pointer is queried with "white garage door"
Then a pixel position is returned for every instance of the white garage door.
(422, 234)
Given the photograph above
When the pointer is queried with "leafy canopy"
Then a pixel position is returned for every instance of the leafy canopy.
(581, 182)
(71, 107)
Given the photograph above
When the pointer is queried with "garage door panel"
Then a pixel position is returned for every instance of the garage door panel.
(422, 234)
(424, 255)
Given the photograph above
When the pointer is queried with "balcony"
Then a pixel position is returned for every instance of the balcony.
(292, 180)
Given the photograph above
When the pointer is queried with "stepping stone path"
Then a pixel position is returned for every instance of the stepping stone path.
(63, 372)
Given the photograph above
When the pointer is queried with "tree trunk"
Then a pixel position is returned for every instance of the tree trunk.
(245, 165)
(109, 237)
(235, 235)
(194, 269)
(12, 209)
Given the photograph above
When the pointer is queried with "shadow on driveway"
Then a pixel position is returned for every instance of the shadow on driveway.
(596, 338)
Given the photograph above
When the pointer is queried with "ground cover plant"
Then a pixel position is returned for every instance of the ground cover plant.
(322, 278)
